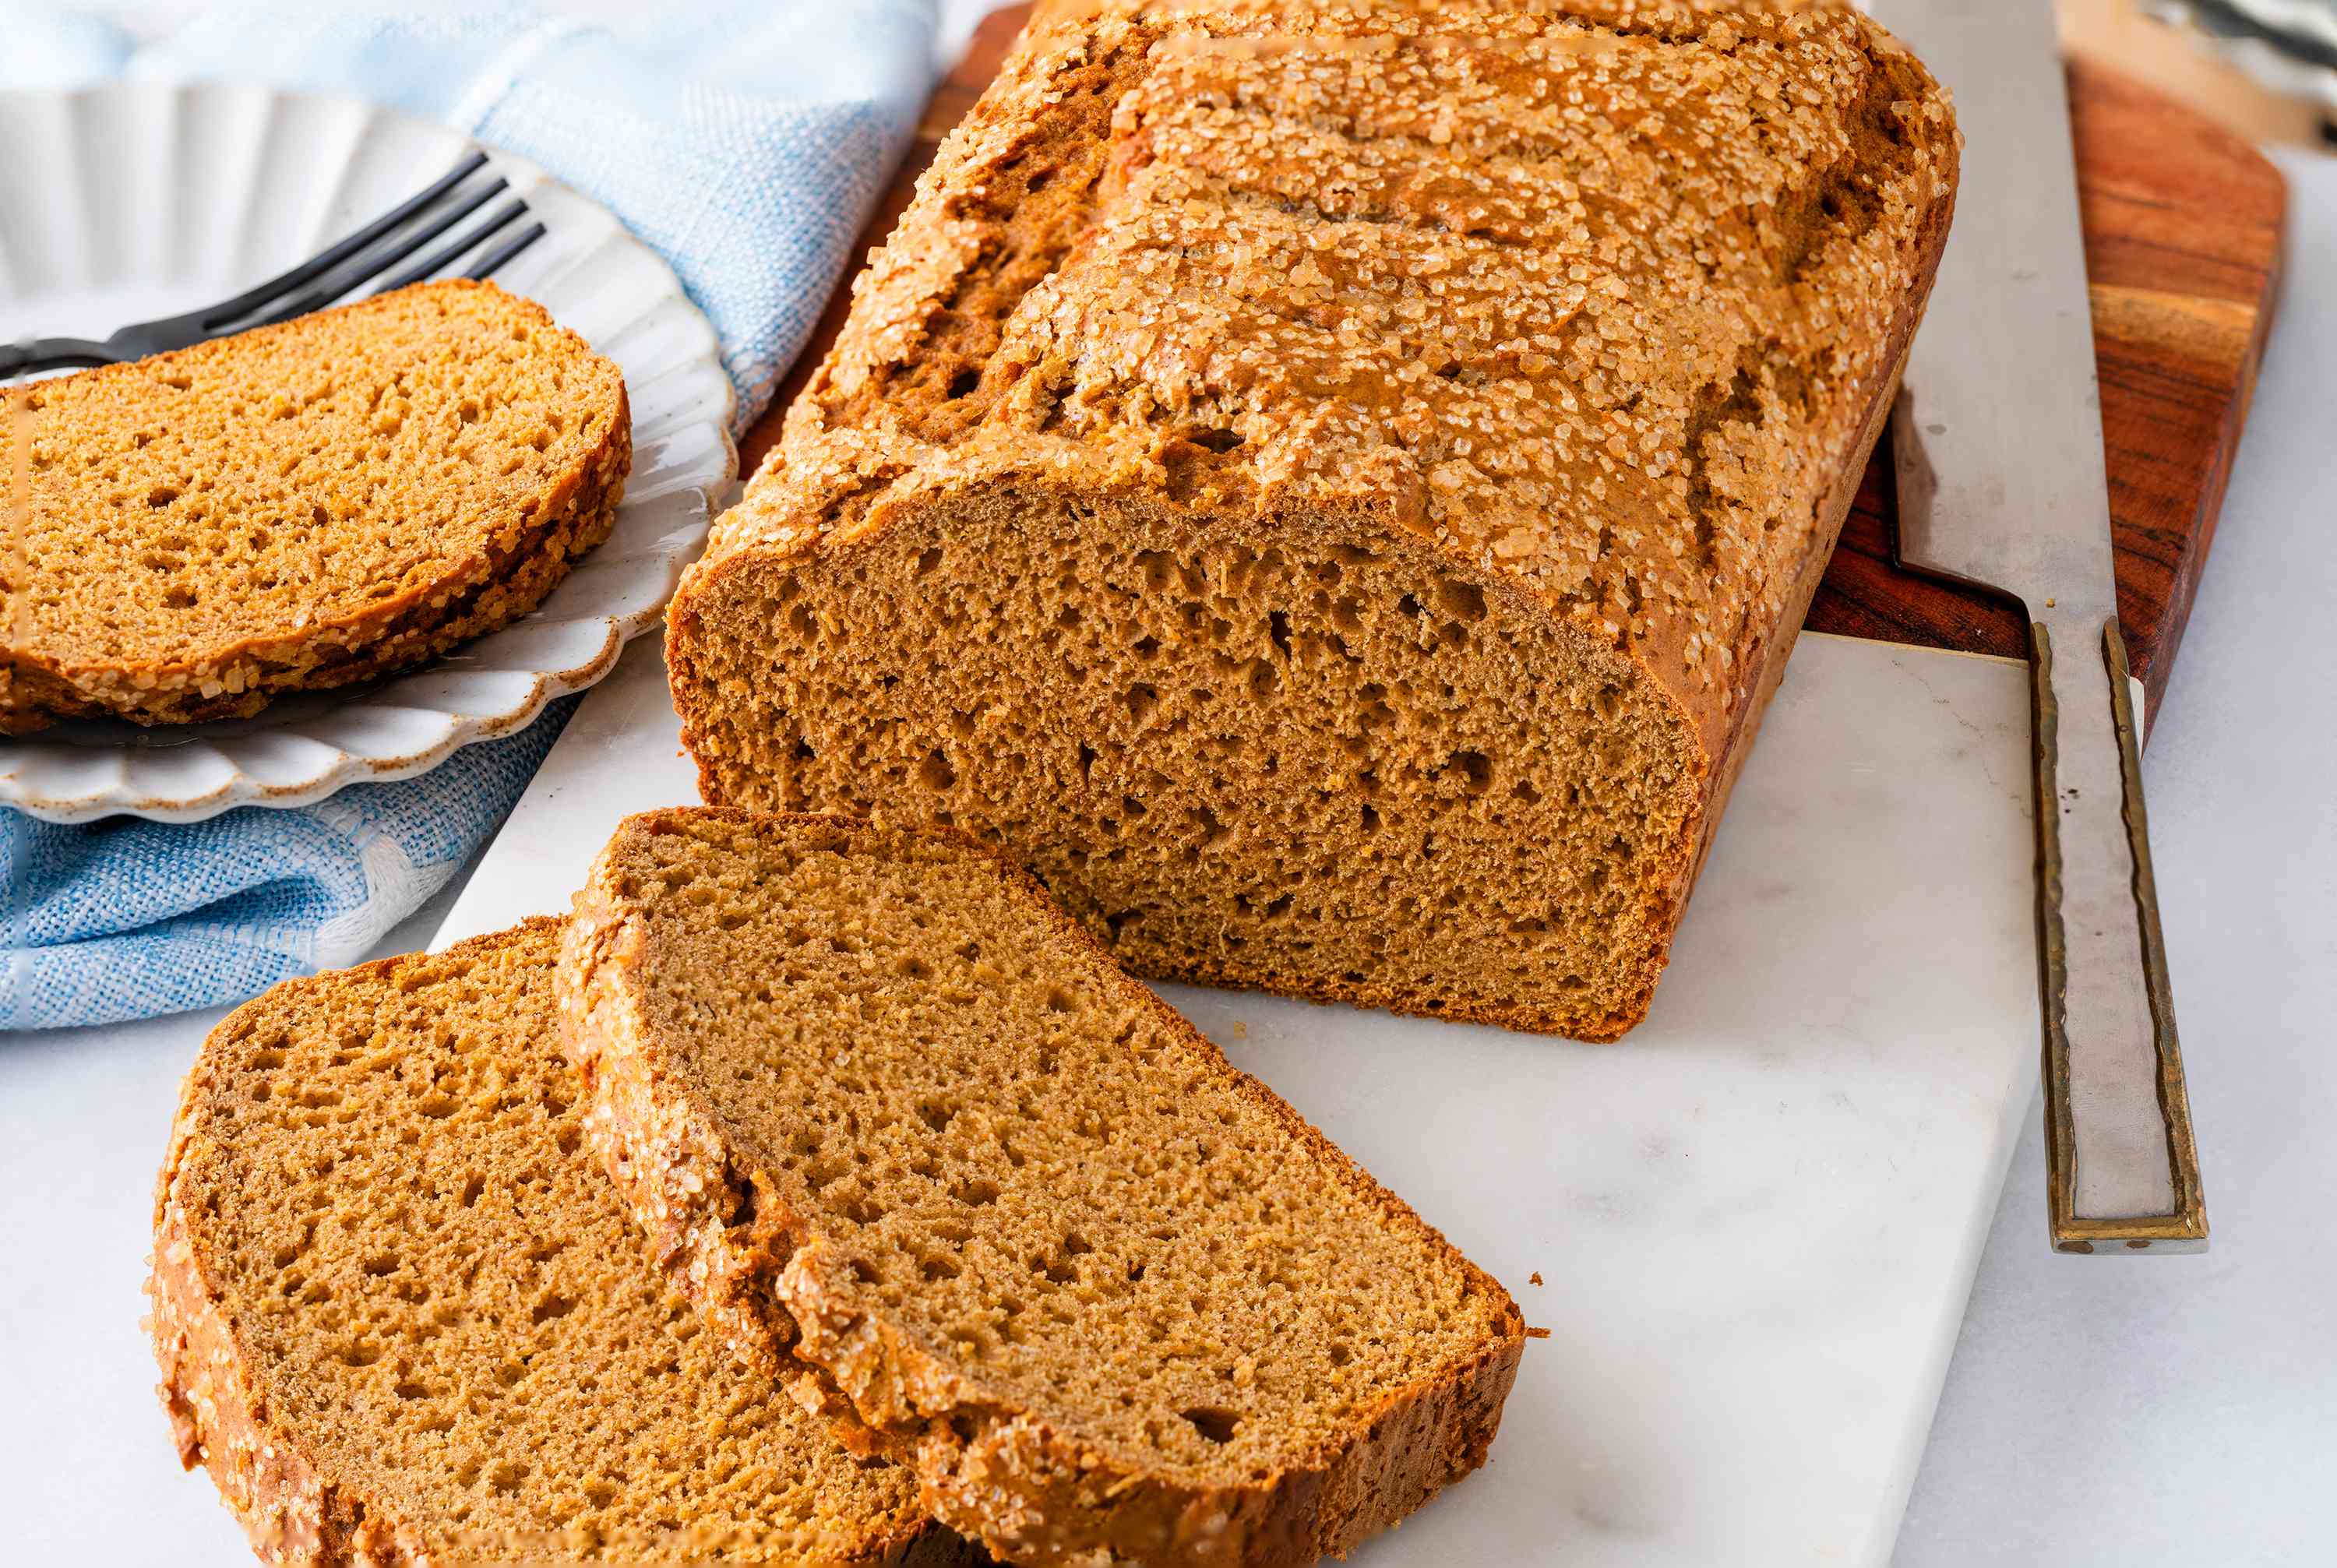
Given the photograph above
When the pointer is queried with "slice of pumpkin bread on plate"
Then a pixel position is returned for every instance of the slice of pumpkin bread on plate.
(299, 506)
(923, 1152)
(402, 1317)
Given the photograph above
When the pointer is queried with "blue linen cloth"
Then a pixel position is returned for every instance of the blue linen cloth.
(745, 142)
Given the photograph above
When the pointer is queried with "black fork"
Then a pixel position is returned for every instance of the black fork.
(322, 279)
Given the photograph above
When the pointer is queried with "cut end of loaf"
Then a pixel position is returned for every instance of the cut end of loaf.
(402, 1317)
(1307, 757)
(1030, 1231)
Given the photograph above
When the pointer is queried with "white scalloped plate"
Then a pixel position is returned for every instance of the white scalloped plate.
(140, 200)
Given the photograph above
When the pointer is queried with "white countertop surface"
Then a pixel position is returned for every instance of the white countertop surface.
(2099, 1411)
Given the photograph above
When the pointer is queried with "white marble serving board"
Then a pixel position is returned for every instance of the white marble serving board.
(1755, 1221)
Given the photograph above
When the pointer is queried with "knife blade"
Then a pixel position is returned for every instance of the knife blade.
(1997, 439)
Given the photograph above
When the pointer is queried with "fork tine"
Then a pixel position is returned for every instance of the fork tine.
(324, 261)
(445, 256)
(507, 250)
(374, 263)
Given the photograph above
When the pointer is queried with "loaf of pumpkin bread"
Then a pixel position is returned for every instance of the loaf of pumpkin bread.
(1331, 486)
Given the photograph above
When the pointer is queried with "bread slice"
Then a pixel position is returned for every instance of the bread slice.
(923, 1151)
(1331, 486)
(299, 506)
(403, 1319)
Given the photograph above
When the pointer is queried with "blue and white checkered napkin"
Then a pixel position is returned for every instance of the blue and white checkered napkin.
(746, 144)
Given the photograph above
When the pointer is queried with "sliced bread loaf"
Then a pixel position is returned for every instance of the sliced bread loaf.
(923, 1151)
(302, 505)
(403, 1319)
(1330, 484)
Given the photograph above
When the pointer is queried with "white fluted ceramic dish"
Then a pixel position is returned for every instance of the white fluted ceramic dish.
(130, 201)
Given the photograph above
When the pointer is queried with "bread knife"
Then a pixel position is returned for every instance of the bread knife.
(1997, 438)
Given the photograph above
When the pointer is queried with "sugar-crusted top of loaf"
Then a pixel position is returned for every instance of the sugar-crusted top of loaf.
(313, 480)
(1596, 294)
(403, 1315)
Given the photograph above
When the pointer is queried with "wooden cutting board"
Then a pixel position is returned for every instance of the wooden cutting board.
(2183, 243)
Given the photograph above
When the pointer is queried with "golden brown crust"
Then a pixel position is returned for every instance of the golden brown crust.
(778, 1290)
(293, 1509)
(213, 1401)
(1367, 264)
(1833, 509)
(523, 556)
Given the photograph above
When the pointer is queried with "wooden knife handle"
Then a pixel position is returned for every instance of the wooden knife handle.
(2123, 1170)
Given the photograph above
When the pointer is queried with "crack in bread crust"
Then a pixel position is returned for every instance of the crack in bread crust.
(780, 1293)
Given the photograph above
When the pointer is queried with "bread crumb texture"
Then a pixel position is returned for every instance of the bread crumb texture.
(1330, 485)
(926, 1154)
(403, 1320)
(299, 506)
